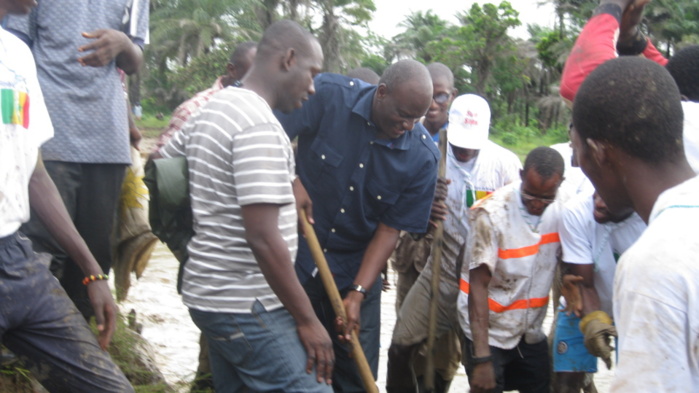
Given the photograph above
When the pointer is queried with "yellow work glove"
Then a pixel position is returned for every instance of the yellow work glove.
(598, 331)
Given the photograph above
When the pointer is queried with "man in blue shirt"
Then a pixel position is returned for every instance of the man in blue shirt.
(370, 170)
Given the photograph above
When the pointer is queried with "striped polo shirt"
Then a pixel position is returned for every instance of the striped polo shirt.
(238, 154)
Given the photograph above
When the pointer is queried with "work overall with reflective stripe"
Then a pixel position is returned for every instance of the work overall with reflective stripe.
(522, 271)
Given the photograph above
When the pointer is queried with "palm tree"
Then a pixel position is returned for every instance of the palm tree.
(420, 29)
(184, 29)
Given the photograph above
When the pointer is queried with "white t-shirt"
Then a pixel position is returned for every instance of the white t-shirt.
(24, 126)
(691, 133)
(656, 299)
(585, 241)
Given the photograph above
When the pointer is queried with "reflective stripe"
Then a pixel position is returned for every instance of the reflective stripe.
(516, 305)
(546, 238)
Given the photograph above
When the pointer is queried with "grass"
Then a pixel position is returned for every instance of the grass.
(151, 126)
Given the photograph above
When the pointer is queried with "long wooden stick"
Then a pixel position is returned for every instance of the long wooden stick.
(336, 301)
(436, 273)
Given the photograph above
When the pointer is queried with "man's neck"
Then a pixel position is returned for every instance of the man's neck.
(647, 181)
(257, 83)
(432, 128)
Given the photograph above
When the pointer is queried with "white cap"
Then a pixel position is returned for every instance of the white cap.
(469, 122)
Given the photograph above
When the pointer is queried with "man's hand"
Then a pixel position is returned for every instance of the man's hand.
(483, 380)
(598, 331)
(319, 349)
(630, 19)
(571, 292)
(353, 305)
(439, 208)
(105, 310)
(107, 45)
(303, 202)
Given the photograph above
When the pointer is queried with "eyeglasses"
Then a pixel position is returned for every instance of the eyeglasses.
(441, 98)
(532, 198)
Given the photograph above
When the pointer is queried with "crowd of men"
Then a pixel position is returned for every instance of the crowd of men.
(364, 173)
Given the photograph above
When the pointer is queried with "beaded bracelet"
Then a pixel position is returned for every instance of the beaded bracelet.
(91, 278)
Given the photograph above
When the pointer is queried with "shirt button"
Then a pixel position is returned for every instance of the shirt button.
(424, 137)
(368, 123)
(342, 211)
(322, 156)
(371, 143)
(351, 188)
(351, 83)
(332, 230)
(325, 250)
(361, 165)
(378, 197)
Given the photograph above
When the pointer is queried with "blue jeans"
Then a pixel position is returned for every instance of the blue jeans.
(40, 324)
(346, 376)
(260, 350)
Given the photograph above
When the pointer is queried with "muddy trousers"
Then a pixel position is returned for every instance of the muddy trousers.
(524, 368)
(40, 324)
(90, 193)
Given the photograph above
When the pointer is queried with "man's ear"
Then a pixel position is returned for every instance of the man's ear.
(289, 59)
(230, 70)
(599, 151)
(381, 91)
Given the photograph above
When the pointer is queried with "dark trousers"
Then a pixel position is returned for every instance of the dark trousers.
(40, 324)
(524, 368)
(90, 193)
(346, 376)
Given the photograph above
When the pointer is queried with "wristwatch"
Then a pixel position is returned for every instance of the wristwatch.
(358, 288)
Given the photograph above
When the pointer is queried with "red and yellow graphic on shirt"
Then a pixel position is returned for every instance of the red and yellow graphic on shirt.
(478, 194)
(15, 107)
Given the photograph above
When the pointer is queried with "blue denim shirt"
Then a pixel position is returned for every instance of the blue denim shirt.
(354, 179)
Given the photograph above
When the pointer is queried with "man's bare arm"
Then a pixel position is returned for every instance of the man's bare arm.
(49, 207)
(375, 257)
(272, 254)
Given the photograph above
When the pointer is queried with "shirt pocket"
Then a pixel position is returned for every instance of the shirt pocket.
(379, 199)
(324, 163)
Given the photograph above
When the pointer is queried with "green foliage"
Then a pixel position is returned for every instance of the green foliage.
(420, 29)
(552, 47)
(672, 21)
(203, 70)
(509, 133)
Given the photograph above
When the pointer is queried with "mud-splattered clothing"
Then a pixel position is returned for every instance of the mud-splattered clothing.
(522, 261)
(38, 322)
(585, 241)
(25, 126)
(656, 299)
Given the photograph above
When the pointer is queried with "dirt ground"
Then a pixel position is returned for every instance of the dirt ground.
(168, 327)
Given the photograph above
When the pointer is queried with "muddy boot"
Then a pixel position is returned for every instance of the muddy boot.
(440, 385)
(399, 375)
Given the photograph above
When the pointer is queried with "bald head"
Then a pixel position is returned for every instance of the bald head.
(407, 72)
(365, 74)
(402, 98)
(281, 36)
(440, 71)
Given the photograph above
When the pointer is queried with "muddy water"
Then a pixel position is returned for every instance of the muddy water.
(168, 327)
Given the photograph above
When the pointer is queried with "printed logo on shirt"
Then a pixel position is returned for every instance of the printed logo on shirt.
(472, 197)
(15, 107)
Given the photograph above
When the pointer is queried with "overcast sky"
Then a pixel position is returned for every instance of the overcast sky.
(389, 13)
